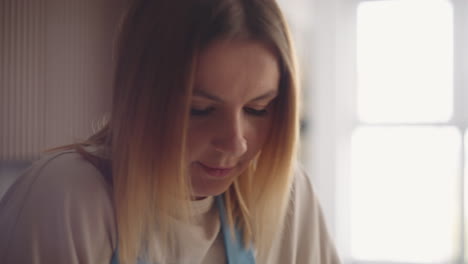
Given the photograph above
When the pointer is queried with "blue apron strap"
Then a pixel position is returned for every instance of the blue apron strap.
(236, 253)
(115, 256)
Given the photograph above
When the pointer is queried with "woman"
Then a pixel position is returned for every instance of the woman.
(197, 162)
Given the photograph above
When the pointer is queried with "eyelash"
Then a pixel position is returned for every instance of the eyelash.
(207, 111)
(201, 112)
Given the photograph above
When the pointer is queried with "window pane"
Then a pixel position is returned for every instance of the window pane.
(404, 195)
(405, 61)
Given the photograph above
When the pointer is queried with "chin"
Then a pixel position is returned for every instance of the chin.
(204, 184)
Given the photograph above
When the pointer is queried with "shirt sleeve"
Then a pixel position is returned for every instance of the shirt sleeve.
(59, 211)
(304, 238)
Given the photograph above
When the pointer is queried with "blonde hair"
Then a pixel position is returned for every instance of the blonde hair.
(157, 52)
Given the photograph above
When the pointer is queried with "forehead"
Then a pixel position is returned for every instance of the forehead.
(237, 69)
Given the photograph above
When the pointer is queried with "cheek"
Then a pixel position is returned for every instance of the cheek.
(197, 141)
(257, 135)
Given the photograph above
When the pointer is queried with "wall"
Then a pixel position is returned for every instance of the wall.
(55, 71)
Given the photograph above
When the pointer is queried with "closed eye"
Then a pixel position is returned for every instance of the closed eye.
(209, 110)
(255, 112)
(201, 112)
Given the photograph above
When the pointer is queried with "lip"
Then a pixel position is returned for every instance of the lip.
(218, 172)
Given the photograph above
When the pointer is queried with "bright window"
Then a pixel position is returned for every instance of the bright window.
(405, 61)
(405, 200)
(387, 102)
(404, 194)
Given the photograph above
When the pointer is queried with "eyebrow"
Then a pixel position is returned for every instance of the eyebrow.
(267, 95)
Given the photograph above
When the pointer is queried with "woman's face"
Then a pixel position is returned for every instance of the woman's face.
(231, 115)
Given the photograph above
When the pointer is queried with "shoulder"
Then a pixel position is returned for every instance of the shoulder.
(304, 209)
(303, 201)
(53, 209)
(58, 179)
(67, 173)
(302, 186)
(304, 237)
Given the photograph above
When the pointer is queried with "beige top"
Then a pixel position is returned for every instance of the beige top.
(60, 211)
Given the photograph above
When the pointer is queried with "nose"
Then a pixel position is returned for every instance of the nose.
(230, 137)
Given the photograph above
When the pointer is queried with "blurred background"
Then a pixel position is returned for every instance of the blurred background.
(385, 110)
